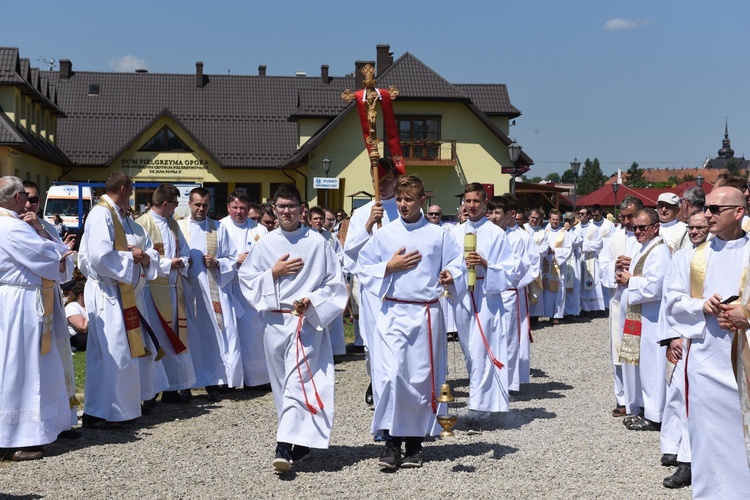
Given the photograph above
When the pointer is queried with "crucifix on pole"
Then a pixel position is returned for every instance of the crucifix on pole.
(366, 101)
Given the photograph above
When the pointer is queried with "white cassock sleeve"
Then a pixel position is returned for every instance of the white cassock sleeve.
(226, 257)
(502, 272)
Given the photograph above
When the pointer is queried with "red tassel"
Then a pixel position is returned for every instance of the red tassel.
(320, 401)
(312, 409)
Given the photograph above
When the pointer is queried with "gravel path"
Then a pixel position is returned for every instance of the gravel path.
(558, 441)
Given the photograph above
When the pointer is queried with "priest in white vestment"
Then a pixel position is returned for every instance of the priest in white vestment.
(606, 229)
(539, 239)
(643, 358)
(573, 267)
(673, 230)
(613, 259)
(110, 352)
(592, 297)
(694, 296)
(405, 266)
(173, 267)
(212, 333)
(294, 278)
(554, 259)
(34, 404)
(245, 232)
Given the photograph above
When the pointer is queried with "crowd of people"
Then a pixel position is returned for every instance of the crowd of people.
(258, 300)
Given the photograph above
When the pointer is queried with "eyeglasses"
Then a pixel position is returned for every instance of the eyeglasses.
(642, 228)
(718, 209)
(697, 228)
(175, 202)
(290, 206)
(433, 214)
(581, 214)
(33, 199)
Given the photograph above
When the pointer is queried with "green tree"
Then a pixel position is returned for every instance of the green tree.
(733, 167)
(567, 177)
(533, 180)
(553, 177)
(634, 177)
(591, 178)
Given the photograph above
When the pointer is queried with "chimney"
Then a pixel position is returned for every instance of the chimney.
(262, 70)
(385, 57)
(324, 74)
(359, 78)
(66, 69)
(199, 75)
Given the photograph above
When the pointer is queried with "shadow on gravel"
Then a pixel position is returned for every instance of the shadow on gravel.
(32, 496)
(456, 452)
(543, 390)
(198, 406)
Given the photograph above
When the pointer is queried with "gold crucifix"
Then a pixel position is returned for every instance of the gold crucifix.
(371, 98)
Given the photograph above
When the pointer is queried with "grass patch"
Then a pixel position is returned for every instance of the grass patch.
(79, 359)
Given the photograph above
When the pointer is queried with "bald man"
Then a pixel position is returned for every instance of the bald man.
(715, 272)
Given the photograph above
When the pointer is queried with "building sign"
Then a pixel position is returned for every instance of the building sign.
(165, 166)
(325, 183)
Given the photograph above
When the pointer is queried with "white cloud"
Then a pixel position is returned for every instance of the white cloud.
(619, 23)
(127, 64)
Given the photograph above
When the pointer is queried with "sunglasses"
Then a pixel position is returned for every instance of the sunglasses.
(642, 228)
(718, 209)
(33, 199)
(433, 214)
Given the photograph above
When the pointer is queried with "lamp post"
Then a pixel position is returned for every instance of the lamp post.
(615, 187)
(575, 165)
(699, 181)
(514, 151)
(326, 169)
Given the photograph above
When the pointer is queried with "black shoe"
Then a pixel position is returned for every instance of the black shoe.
(70, 434)
(412, 460)
(300, 453)
(282, 462)
(173, 398)
(669, 460)
(145, 410)
(643, 424)
(150, 403)
(213, 393)
(391, 456)
(682, 477)
(368, 395)
(186, 394)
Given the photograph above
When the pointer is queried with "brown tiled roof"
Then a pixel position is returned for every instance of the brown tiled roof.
(242, 121)
(663, 174)
(16, 137)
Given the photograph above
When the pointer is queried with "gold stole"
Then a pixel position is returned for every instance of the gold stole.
(630, 349)
(589, 259)
(211, 248)
(127, 295)
(48, 305)
(160, 289)
(551, 271)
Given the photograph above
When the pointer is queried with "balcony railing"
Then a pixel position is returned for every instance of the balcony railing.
(441, 152)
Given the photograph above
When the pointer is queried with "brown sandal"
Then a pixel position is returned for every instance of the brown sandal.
(619, 411)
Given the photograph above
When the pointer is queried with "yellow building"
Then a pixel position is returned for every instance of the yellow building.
(255, 132)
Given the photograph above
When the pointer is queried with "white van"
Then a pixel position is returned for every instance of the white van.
(62, 199)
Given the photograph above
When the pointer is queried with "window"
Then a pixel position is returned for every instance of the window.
(252, 190)
(165, 140)
(420, 136)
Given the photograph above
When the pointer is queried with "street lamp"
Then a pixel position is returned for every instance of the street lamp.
(514, 151)
(575, 165)
(615, 187)
(326, 169)
(699, 181)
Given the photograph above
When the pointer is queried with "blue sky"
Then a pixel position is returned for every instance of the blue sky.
(647, 81)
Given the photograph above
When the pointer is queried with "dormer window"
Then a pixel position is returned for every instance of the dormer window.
(165, 140)
(94, 89)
